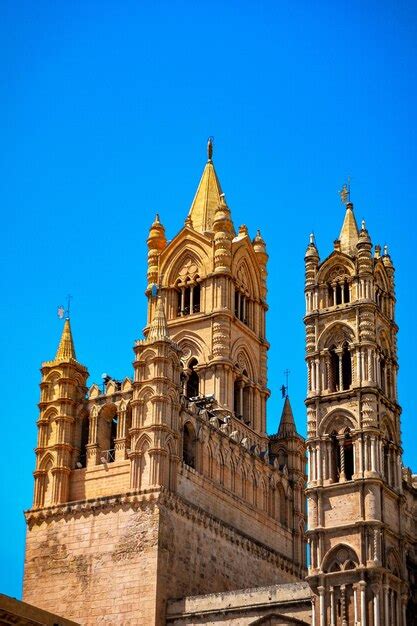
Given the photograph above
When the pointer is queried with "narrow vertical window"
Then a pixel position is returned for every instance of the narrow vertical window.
(193, 382)
(346, 367)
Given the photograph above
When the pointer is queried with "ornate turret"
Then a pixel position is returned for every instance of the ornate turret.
(62, 401)
(158, 329)
(259, 247)
(156, 243)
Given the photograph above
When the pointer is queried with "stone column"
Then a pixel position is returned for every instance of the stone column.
(355, 605)
(343, 604)
(362, 587)
(322, 606)
(332, 607)
(377, 610)
(404, 601)
(386, 605)
(373, 445)
(342, 461)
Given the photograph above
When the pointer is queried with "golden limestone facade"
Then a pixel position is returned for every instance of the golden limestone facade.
(166, 484)
(362, 504)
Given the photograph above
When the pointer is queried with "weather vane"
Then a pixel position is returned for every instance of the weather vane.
(345, 192)
(65, 312)
(284, 388)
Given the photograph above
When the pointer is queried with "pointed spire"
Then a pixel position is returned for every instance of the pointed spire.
(159, 328)
(349, 234)
(287, 424)
(66, 351)
(207, 197)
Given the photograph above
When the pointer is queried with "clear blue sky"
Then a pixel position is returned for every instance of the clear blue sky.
(105, 108)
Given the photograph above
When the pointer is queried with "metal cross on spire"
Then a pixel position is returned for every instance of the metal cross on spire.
(65, 312)
(284, 388)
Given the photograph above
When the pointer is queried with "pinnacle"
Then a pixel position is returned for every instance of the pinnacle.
(349, 234)
(208, 196)
(66, 351)
(159, 327)
(287, 424)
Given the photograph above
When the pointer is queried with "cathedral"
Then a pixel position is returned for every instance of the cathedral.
(161, 499)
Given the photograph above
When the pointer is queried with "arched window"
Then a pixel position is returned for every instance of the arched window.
(346, 292)
(346, 367)
(189, 445)
(348, 454)
(334, 382)
(236, 398)
(330, 295)
(107, 433)
(242, 306)
(84, 441)
(338, 293)
(113, 435)
(246, 413)
(335, 453)
(193, 381)
(196, 299)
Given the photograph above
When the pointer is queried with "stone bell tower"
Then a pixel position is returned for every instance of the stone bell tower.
(355, 495)
(166, 484)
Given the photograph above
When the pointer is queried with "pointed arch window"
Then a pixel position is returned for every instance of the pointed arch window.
(346, 367)
(242, 397)
(189, 446)
(193, 380)
(334, 373)
(83, 442)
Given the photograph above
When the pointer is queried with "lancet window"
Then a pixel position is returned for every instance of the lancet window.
(243, 307)
(243, 397)
(82, 459)
(107, 433)
(189, 446)
(192, 380)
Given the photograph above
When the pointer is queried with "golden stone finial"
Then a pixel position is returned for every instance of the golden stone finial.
(210, 148)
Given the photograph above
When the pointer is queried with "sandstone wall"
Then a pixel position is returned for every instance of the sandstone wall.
(200, 555)
(95, 566)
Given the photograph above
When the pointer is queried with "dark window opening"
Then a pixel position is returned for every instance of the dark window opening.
(84, 441)
(348, 453)
(113, 435)
(236, 399)
(334, 382)
(330, 294)
(383, 385)
(188, 446)
(193, 381)
(186, 309)
(335, 458)
(346, 292)
(346, 367)
(338, 294)
(196, 299)
(178, 303)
